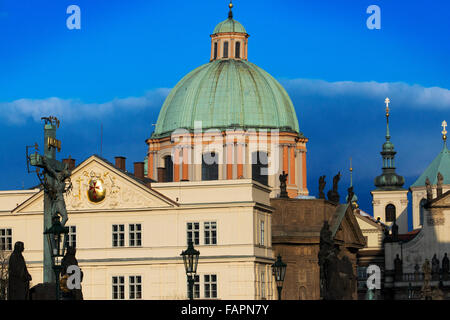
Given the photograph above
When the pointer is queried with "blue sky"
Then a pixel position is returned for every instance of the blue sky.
(117, 70)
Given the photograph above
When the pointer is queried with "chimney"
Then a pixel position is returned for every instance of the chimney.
(70, 163)
(120, 163)
(139, 170)
(161, 174)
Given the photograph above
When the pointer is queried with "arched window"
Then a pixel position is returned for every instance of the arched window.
(210, 166)
(259, 167)
(168, 164)
(422, 210)
(390, 213)
(238, 50)
(225, 49)
(215, 50)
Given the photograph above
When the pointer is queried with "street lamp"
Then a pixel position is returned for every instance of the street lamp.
(190, 259)
(57, 241)
(279, 271)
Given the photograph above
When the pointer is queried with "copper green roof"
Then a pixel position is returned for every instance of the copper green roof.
(227, 94)
(229, 25)
(440, 164)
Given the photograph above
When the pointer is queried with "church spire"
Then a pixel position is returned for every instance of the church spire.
(389, 179)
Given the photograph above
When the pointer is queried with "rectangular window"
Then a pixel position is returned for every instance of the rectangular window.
(210, 233)
(135, 287)
(118, 235)
(193, 232)
(261, 237)
(135, 235)
(72, 237)
(196, 287)
(225, 49)
(5, 239)
(238, 50)
(215, 50)
(118, 288)
(210, 285)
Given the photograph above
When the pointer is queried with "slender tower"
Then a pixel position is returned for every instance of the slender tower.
(390, 201)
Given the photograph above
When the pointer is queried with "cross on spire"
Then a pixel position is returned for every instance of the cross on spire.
(444, 131)
(387, 101)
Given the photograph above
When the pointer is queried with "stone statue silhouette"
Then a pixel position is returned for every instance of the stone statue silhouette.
(283, 179)
(429, 189)
(337, 279)
(322, 184)
(426, 287)
(70, 260)
(440, 181)
(398, 268)
(445, 267)
(351, 193)
(435, 268)
(333, 194)
(18, 276)
(57, 188)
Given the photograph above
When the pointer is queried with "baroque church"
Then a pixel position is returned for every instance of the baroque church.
(224, 135)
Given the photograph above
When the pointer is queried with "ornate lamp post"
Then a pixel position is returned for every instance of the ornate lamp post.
(190, 259)
(279, 271)
(57, 241)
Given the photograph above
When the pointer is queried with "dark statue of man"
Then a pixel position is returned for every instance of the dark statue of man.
(70, 260)
(435, 267)
(445, 267)
(337, 280)
(333, 194)
(440, 181)
(429, 189)
(18, 276)
(57, 189)
(398, 268)
(322, 184)
(283, 179)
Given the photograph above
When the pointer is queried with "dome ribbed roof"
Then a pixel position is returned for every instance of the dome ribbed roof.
(229, 25)
(440, 164)
(227, 94)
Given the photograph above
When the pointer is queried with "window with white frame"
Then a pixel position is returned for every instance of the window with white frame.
(5, 239)
(210, 285)
(210, 229)
(118, 288)
(135, 285)
(118, 235)
(135, 235)
(193, 232)
(261, 233)
(72, 237)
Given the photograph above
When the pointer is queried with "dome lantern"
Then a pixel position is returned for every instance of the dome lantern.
(229, 39)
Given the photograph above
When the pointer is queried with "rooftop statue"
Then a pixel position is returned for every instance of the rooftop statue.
(283, 179)
(429, 189)
(322, 184)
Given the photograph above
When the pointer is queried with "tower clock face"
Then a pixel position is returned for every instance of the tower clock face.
(96, 192)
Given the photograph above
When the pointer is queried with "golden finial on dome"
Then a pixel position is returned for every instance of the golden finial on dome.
(230, 14)
(444, 130)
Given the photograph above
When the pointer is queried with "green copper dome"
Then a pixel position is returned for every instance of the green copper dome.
(227, 94)
(229, 25)
(440, 164)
